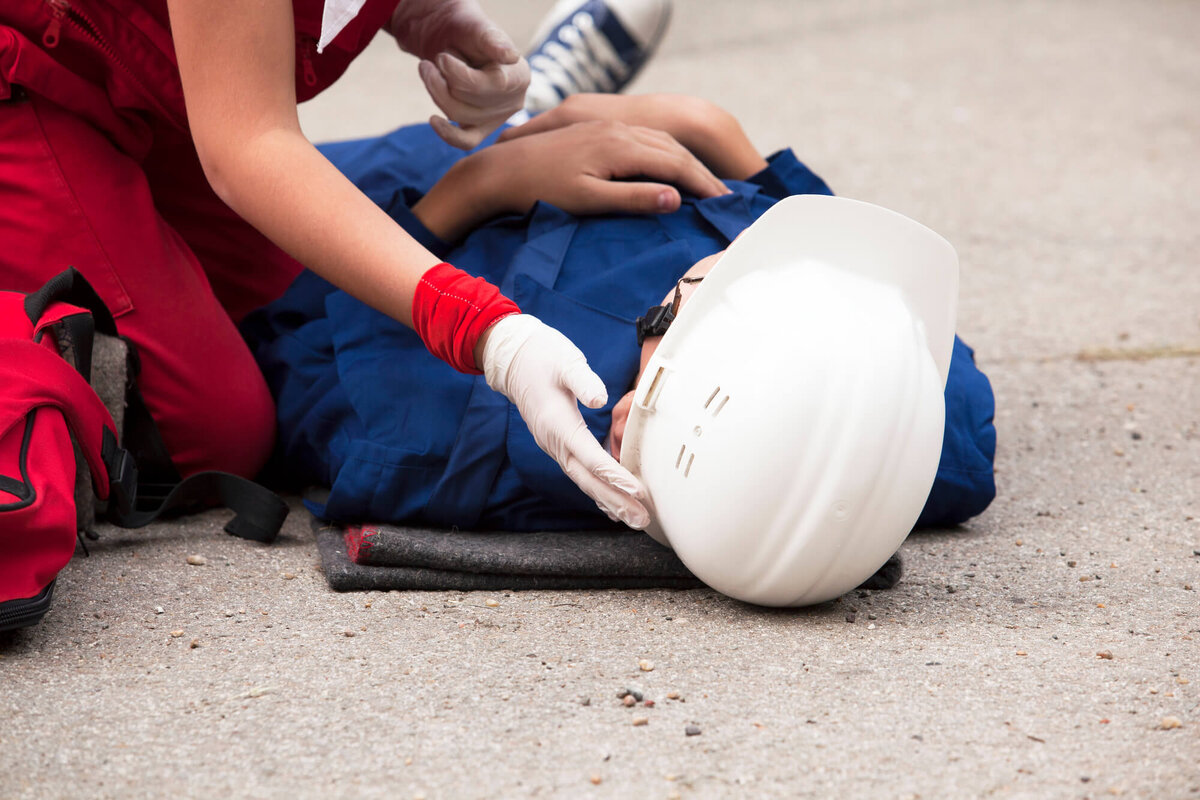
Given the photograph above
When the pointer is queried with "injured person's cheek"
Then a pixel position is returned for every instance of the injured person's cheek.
(682, 292)
(620, 416)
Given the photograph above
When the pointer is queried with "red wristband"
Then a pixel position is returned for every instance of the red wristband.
(452, 309)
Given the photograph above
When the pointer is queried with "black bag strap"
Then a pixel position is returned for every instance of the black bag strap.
(69, 286)
(258, 512)
(142, 438)
(141, 435)
(77, 330)
(144, 482)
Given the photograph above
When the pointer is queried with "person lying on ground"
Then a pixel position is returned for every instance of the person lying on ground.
(365, 411)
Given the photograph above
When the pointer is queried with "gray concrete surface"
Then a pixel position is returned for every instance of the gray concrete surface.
(1055, 144)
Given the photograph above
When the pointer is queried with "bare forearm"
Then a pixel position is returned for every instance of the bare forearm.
(464, 198)
(717, 139)
(283, 186)
(237, 67)
(579, 168)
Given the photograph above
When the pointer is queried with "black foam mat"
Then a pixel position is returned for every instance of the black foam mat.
(425, 559)
(432, 559)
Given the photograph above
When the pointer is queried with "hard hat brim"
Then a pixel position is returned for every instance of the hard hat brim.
(826, 235)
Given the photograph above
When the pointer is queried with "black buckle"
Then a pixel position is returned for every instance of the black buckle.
(659, 318)
(122, 487)
(654, 323)
(122, 474)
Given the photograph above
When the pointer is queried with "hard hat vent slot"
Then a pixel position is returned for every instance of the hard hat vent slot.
(687, 468)
(652, 393)
(708, 404)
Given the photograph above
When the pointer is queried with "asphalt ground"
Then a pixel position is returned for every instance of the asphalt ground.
(1047, 648)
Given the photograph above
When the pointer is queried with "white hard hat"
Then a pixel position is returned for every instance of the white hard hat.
(789, 426)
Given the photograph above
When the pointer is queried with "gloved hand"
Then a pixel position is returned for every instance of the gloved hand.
(543, 373)
(470, 67)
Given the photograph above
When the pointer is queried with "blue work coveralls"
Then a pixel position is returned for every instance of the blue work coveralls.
(398, 436)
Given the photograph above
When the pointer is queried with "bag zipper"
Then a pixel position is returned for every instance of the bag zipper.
(26, 611)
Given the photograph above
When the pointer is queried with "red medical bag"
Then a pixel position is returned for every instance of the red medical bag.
(55, 430)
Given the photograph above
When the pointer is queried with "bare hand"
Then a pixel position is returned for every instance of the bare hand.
(579, 168)
(710, 132)
(582, 168)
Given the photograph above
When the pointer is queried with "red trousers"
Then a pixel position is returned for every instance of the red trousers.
(175, 265)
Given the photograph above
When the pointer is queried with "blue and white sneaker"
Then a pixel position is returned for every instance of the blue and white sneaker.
(593, 46)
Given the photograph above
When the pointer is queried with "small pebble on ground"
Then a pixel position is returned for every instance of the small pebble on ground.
(692, 730)
(645, 665)
(196, 560)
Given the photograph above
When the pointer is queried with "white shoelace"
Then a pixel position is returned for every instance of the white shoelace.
(584, 62)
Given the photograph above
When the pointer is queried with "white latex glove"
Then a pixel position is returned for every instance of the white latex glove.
(471, 68)
(543, 374)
